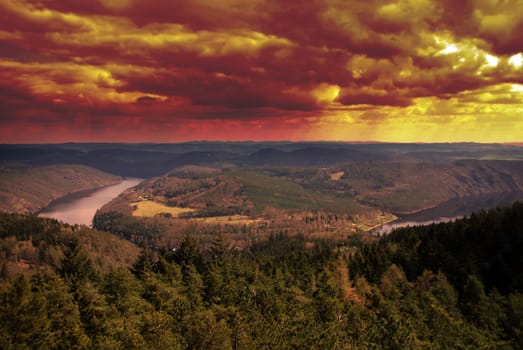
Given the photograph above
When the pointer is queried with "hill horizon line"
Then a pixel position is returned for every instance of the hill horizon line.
(370, 142)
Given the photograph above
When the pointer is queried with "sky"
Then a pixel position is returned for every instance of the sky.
(231, 70)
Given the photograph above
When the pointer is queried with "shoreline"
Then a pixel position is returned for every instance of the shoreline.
(81, 206)
(379, 225)
(74, 195)
(453, 209)
(386, 222)
(414, 212)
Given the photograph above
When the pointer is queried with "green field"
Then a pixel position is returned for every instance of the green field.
(228, 219)
(150, 209)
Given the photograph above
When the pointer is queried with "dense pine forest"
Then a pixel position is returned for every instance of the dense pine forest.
(445, 286)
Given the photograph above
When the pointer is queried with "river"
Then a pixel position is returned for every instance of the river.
(79, 208)
(451, 210)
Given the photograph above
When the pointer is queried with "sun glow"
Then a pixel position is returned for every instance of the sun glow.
(517, 88)
(326, 93)
(516, 60)
(449, 49)
(492, 61)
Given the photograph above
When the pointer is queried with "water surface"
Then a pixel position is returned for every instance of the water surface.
(451, 210)
(79, 208)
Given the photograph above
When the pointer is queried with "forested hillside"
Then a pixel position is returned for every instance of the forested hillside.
(419, 288)
(486, 245)
(27, 189)
(29, 244)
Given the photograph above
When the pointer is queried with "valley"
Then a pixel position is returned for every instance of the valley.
(265, 246)
(336, 201)
(269, 174)
(28, 189)
(79, 208)
(249, 190)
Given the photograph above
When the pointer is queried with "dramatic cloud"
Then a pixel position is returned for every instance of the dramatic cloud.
(137, 70)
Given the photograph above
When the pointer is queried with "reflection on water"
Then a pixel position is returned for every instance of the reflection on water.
(80, 209)
(451, 210)
(388, 228)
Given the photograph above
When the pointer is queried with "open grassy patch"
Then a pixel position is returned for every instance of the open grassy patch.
(375, 222)
(228, 219)
(150, 209)
(337, 175)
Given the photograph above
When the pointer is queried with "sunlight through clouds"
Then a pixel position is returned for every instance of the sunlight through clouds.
(350, 70)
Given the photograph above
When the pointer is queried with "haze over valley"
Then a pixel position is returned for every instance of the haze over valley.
(318, 189)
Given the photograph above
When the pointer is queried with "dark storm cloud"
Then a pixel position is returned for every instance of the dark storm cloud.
(251, 60)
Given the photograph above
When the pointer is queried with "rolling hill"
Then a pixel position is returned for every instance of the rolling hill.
(28, 189)
(29, 244)
(150, 160)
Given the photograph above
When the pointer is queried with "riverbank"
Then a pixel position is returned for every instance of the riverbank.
(382, 220)
(72, 196)
(30, 189)
(80, 207)
(450, 210)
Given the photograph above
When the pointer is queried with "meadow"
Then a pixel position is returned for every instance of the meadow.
(149, 208)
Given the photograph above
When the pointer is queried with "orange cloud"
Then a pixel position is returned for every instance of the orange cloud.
(139, 70)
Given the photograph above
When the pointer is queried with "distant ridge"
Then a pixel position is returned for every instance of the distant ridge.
(147, 160)
(311, 156)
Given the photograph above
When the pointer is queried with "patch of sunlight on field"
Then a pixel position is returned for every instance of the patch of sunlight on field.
(376, 222)
(228, 219)
(337, 176)
(150, 209)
